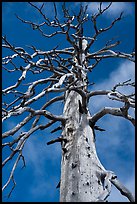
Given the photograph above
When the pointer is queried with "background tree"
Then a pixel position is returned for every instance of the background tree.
(67, 71)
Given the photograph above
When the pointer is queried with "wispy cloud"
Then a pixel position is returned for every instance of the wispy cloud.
(45, 163)
(112, 145)
(115, 146)
(115, 9)
(37, 152)
(124, 72)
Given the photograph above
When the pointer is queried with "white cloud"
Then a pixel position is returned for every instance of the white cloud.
(125, 71)
(37, 152)
(117, 142)
(45, 164)
(115, 9)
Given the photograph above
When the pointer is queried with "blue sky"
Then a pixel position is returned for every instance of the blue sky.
(115, 146)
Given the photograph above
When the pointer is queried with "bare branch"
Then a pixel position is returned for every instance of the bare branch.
(123, 190)
(47, 21)
(19, 80)
(17, 110)
(125, 83)
(59, 139)
(46, 113)
(22, 139)
(53, 100)
(101, 11)
(99, 31)
(14, 184)
(106, 48)
(11, 177)
(62, 70)
(17, 127)
(98, 92)
(113, 54)
(111, 111)
(123, 98)
(56, 129)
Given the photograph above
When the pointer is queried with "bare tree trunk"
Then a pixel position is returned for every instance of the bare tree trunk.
(83, 178)
(82, 174)
(81, 171)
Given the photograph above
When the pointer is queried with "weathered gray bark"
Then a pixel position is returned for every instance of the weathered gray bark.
(82, 174)
(83, 178)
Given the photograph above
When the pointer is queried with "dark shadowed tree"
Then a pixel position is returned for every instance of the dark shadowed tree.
(67, 71)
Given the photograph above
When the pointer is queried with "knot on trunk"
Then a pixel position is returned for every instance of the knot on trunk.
(82, 108)
(74, 165)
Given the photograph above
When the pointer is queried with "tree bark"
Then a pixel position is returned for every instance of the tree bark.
(82, 174)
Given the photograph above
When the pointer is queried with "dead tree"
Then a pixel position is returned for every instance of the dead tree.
(83, 177)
